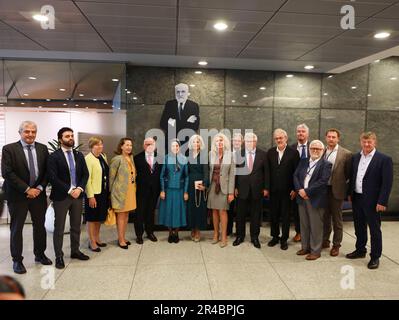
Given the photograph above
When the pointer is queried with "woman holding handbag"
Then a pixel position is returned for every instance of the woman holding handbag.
(198, 181)
(174, 192)
(122, 180)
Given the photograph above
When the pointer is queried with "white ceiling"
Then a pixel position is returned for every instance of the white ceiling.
(268, 34)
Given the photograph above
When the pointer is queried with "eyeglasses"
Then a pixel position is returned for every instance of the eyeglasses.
(316, 149)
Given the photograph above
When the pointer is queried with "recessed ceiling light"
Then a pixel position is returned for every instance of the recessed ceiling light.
(245, 96)
(62, 89)
(128, 92)
(115, 80)
(325, 94)
(220, 26)
(134, 98)
(198, 72)
(262, 88)
(233, 101)
(289, 75)
(81, 95)
(309, 67)
(369, 95)
(22, 102)
(32, 78)
(76, 105)
(382, 35)
(394, 78)
(94, 99)
(104, 103)
(26, 94)
(331, 76)
(376, 61)
(48, 99)
(64, 104)
(40, 17)
(202, 63)
(353, 87)
(192, 85)
(40, 107)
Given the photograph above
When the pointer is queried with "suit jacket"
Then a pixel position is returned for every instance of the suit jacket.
(59, 177)
(94, 182)
(341, 173)
(377, 181)
(172, 178)
(191, 108)
(317, 188)
(15, 170)
(227, 171)
(145, 178)
(281, 176)
(256, 180)
(295, 145)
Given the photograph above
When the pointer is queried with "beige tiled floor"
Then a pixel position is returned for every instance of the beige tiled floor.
(191, 270)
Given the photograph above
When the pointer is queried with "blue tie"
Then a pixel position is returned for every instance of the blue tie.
(72, 170)
(303, 153)
(32, 172)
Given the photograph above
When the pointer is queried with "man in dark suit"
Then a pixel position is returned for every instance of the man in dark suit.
(250, 188)
(179, 114)
(23, 168)
(310, 181)
(148, 189)
(370, 187)
(68, 175)
(282, 162)
(302, 145)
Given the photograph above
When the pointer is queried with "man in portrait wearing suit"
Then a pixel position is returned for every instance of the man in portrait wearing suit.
(148, 190)
(23, 168)
(68, 175)
(282, 162)
(302, 145)
(341, 160)
(370, 187)
(250, 189)
(179, 114)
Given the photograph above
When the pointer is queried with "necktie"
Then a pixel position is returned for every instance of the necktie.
(303, 153)
(251, 161)
(32, 172)
(72, 169)
(180, 109)
(149, 161)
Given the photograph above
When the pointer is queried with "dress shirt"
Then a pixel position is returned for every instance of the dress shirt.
(299, 148)
(331, 156)
(361, 170)
(280, 153)
(309, 172)
(248, 153)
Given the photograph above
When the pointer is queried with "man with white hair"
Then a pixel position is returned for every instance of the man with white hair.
(311, 183)
(179, 114)
(302, 145)
(24, 166)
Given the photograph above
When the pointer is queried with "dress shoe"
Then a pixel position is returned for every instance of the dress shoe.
(79, 255)
(284, 245)
(139, 240)
(373, 264)
(273, 242)
(176, 238)
(128, 243)
(297, 237)
(356, 255)
(102, 245)
(43, 260)
(302, 252)
(152, 237)
(238, 241)
(123, 247)
(94, 250)
(312, 256)
(59, 263)
(334, 251)
(256, 243)
(170, 238)
(19, 267)
(326, 244)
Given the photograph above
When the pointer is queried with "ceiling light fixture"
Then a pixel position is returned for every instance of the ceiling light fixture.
(309, 67)
(115, 80)
(40, 17)
(382, 35)
(202, 63)
(289, 75)
(198, 72)
(262, 88)
(220, 26)
(32, 78)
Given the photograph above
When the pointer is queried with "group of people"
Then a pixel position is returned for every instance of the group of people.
(307, 179)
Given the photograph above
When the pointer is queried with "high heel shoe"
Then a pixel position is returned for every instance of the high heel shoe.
(215, 241)
(102, 244)
(223, 244)
(94, 250)
(128, 243)
(123, 247)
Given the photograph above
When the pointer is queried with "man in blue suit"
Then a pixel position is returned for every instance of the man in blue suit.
(370, 186)
(311, 184)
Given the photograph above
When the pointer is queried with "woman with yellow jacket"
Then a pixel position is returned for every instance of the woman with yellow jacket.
(97, 192)
(122, 181)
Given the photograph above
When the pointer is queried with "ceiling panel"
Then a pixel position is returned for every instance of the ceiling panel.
(166, 3)
(258, 5)
(208, 51)
(390, 13)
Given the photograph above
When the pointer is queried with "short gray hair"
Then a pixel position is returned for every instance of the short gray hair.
(25, 124)
(303, 126)
(280, 131)
(250, 135)
(316, 142)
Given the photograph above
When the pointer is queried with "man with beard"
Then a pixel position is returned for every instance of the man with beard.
(68, 175)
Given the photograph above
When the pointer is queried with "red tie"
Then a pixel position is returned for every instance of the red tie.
(251, 161)
(149, 160)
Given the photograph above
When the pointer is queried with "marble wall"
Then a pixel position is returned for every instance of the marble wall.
(366, 98)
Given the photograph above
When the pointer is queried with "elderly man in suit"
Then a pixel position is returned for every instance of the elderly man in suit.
(310, 181)
(341, 161)
(302, 145)
(282, 162)
(23, 168)
(179, 114)
(251, 188)
(370, 187)
(148, 189)
(68, 175)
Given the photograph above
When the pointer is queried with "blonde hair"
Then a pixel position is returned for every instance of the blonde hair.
(226, 142)
(94, 141)
(196, 136)
(280, 131)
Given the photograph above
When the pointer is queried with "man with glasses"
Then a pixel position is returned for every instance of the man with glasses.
(311, 181)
